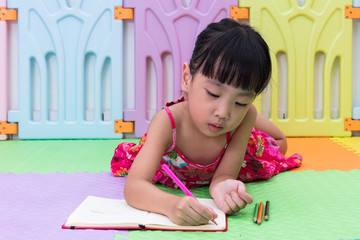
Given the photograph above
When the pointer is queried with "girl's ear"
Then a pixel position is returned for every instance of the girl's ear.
(186, 78)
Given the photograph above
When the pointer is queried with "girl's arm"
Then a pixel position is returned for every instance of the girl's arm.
(229, 193)
(139, 191)
(265, 125)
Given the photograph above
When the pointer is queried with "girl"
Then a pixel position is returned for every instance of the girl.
(208, 136)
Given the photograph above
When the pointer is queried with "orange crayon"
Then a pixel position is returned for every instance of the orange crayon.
(260, 213)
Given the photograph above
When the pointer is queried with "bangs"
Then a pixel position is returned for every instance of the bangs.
(233, 54)
(245, 67)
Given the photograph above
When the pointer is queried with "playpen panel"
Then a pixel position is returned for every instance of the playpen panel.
(3, 66)
(356, 70)
(165, 29)
(314, 40)
(70, 69)
(356, 3)
(6, 15)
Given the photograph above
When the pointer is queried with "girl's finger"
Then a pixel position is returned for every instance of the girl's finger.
(246, 197)
(238, 200)
(200, 213)
(231, 207)
(213, 213)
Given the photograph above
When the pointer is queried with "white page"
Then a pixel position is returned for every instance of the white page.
(104, 212)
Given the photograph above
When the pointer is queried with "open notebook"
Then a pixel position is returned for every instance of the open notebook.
(104, 213)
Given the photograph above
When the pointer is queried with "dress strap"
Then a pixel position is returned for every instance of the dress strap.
(228, 137)
(171, 118)
(173, 129)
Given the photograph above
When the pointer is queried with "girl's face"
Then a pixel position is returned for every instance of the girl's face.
(215, 108)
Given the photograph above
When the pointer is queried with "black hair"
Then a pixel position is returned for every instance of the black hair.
(234, 54)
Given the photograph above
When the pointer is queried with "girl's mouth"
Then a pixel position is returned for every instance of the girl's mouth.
(214, 127)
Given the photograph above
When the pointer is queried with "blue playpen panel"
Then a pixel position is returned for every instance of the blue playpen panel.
(166, 27)
(70, 69)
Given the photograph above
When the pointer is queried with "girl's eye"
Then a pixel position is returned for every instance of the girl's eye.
(241, 104)
(211, 94)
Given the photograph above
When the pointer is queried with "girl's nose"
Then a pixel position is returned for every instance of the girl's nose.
(223, 111)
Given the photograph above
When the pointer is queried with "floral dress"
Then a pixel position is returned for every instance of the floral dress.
(262, 160)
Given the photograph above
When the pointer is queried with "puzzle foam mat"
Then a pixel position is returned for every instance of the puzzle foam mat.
(43, 181)
(304, 205)
(351, 144)
(35, 206)
(323, 154)
(47, 156)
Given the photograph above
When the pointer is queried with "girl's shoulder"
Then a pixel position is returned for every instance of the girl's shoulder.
(160, 126)
(165, 123)
(169, 116)
(177, 112)
(161, 118)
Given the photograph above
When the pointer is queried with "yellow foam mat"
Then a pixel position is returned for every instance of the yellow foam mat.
(351, 144)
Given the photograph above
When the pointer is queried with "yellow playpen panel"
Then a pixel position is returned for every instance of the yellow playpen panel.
(314, 40)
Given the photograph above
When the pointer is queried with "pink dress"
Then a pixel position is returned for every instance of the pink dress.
(263, 160)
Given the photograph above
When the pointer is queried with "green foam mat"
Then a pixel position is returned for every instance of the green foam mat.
(47, 156)
(304, 205)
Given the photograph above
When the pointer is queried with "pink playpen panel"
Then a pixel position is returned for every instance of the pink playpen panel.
(166, 27)
(3, 67)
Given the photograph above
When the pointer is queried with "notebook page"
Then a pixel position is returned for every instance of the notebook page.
(105, 212)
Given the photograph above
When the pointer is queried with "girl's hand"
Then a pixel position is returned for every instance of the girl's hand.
(189, 211)
(231, 196)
